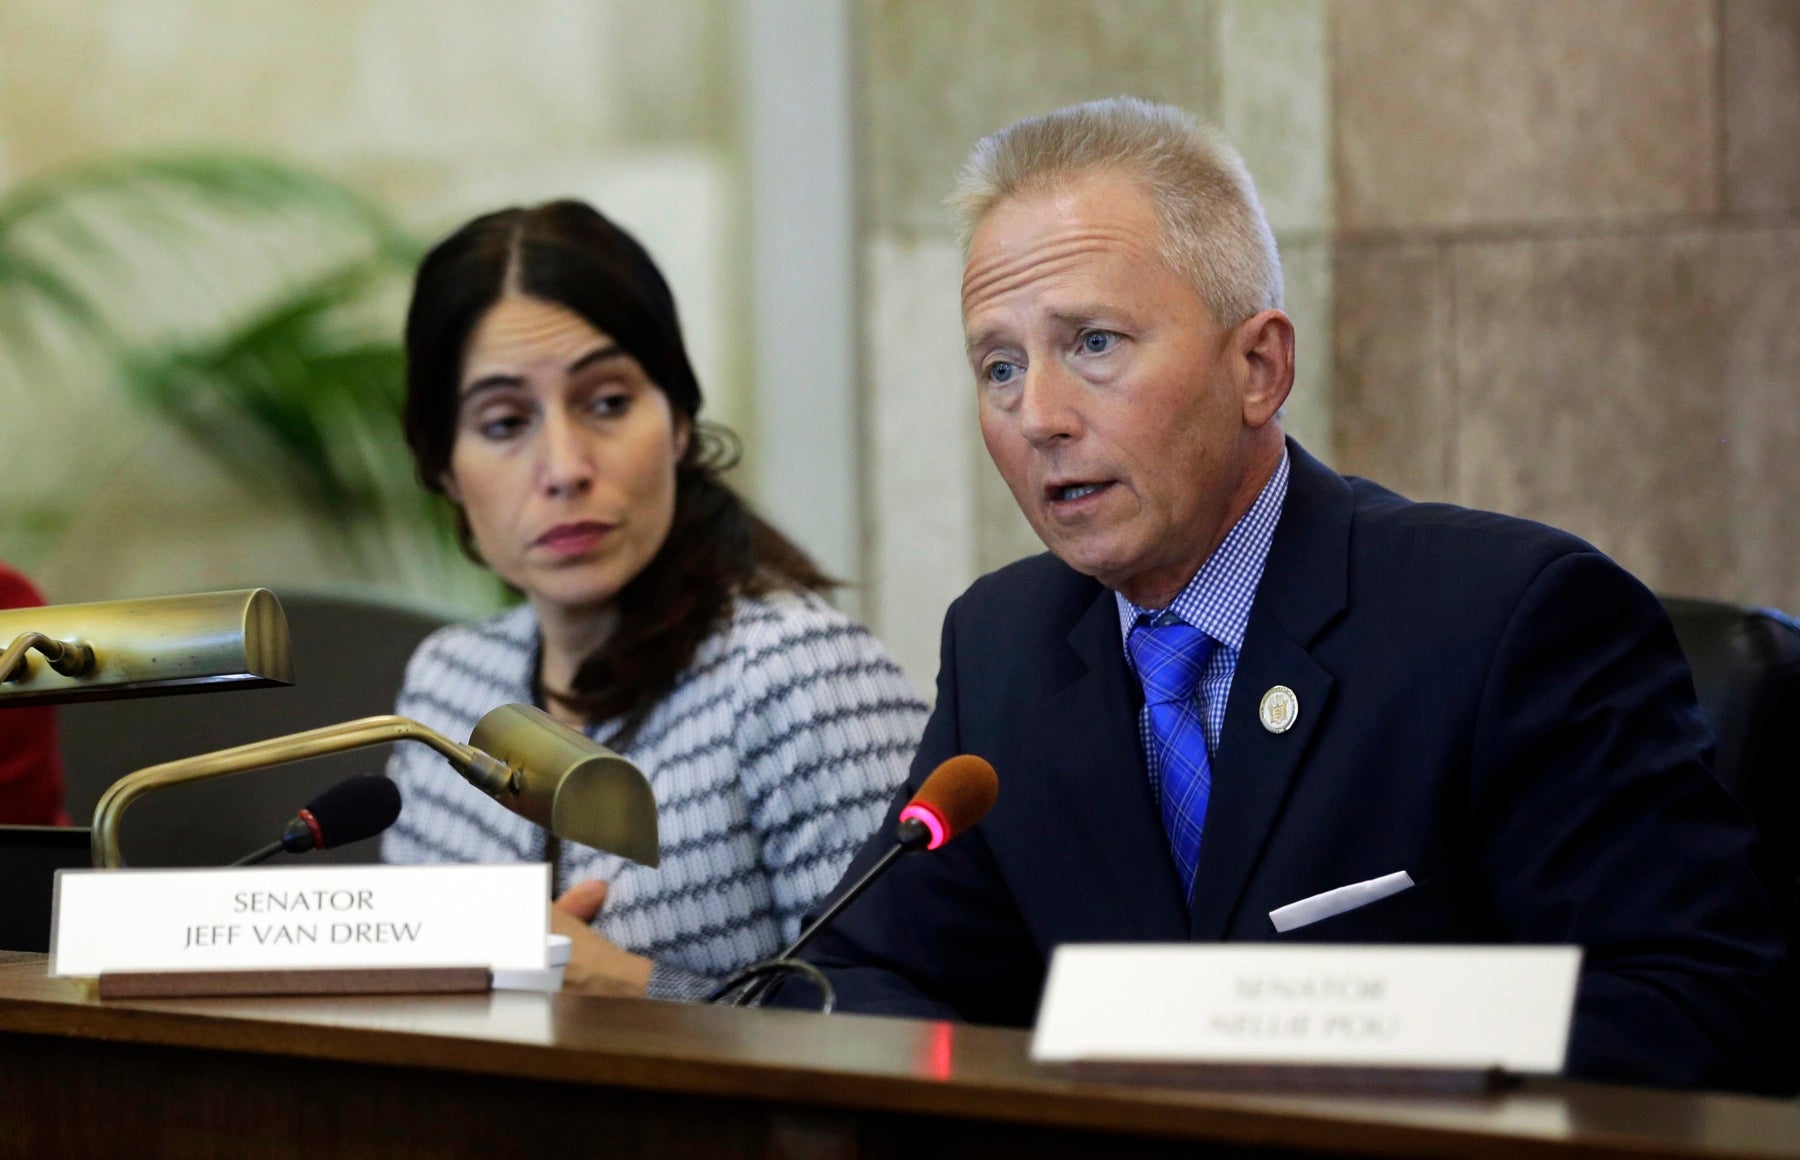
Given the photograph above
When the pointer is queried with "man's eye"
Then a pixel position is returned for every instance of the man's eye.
(1001, 373)
(1098, 341)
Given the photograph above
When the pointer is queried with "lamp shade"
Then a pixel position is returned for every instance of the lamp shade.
(147, 647)
(570, 785)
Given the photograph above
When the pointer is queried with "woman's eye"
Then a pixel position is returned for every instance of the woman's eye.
(1001, 373)
(1098, 341)
(611, 403)
(499, 427)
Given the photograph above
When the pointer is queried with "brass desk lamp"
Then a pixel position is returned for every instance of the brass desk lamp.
(535, 766)
(141, 648)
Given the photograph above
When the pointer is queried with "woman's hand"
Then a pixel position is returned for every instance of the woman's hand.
(596, 965)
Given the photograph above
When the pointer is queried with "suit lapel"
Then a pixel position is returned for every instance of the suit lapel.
(1088, 732)
(1253, 771)
(1304, 587)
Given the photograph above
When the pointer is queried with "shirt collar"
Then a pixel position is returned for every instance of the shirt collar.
(1217, 599)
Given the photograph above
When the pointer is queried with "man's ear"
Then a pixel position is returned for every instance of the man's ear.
(1264, 344)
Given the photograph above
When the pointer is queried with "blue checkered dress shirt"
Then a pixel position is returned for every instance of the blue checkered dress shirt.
(1217, 602)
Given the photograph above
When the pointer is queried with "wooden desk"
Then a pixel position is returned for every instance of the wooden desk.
(556, 1076)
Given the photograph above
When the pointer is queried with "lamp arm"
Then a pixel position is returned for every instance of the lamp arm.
(486, 773)
(69, 658)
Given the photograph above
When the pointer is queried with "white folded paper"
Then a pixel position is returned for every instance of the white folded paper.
(1319, 907)
(549, 979)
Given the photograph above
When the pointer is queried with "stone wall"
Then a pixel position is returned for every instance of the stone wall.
(1543, 257)
(1568, 269)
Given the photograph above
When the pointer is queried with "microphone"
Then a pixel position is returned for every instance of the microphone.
(958, 794)
(353, 809)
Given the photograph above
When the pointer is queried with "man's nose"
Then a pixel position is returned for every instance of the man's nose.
(1047, 404)
(567, 466)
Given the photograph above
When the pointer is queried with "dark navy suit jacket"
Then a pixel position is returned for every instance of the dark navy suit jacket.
(1485, 703)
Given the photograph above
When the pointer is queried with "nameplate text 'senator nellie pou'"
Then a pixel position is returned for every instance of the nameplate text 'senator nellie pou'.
(300, 918)
(1473, 1008)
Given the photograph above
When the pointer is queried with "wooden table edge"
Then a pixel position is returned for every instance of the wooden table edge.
(1236, 1117)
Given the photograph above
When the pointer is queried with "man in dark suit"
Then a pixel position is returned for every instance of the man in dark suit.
(1240, 681)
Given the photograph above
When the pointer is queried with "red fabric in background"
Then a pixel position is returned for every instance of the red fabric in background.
(31, 789)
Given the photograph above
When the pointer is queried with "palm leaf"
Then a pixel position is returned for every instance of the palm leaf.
(251, 304)
(120, 248)
(282, 391)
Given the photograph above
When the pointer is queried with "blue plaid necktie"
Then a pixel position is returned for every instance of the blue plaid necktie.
(1170, 659)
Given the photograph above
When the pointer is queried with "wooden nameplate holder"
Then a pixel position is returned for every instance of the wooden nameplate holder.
(1314, 1079)
(310, 981)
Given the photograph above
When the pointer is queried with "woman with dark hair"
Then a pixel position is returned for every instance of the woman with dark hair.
(550, 398)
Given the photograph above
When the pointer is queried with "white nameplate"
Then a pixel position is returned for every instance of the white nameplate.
(299, 917)
(1464, 1008)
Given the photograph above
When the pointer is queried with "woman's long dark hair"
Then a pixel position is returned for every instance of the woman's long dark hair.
(567, 253)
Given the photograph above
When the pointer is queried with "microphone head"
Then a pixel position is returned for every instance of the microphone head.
(958, 794)
(353, 809)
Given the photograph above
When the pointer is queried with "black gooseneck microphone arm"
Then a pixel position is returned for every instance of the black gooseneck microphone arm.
(909, 835)
(260, 856)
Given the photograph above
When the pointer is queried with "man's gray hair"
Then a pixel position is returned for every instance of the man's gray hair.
(1213, 229)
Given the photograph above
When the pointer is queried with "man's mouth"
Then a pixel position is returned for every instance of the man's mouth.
(1070, 492)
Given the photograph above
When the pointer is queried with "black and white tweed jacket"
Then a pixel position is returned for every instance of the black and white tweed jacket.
(772, 760)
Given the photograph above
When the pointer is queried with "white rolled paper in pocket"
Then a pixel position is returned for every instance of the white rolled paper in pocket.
(1319, 907)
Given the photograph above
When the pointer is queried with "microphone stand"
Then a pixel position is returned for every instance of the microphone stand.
(260, 856)
(909, 835)
(302, 832)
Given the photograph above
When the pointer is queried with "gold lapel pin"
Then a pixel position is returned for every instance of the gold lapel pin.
(1279, 709)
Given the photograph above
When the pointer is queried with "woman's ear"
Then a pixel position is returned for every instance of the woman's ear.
(684, 432)
(447, 481)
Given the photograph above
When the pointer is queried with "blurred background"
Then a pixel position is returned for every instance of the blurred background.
(1543, 255)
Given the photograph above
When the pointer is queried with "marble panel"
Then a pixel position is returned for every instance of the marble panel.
(1483, 112)
(674, 68)
(1591, 375)
(88, 72)
(504, 83)
(1760, 388)
(939, 76)
(1393, 382)
(1307, 278)
(923, 449)
(338, 80)
(1275, 105)
(1761, 47)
